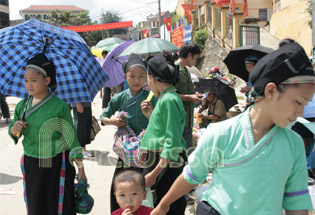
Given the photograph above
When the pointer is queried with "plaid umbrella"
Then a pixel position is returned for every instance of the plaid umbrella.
(79, 76)
(113, 65)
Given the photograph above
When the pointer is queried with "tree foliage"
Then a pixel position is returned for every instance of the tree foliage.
(200, 38)
(110, 16)
(309, 8)
(68, 18)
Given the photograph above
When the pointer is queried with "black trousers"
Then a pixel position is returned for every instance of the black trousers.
(106, 97)
(165, 183)
(4, 107)
(42, 186)
(83, 124)
(204, 208)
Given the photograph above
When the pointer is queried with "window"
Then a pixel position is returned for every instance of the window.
(4, 20)
(263, 14)
(27, 17)
(4, 2)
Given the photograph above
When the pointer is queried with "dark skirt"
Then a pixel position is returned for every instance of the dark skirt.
(165, 183)
(48, 190)
(203, 208)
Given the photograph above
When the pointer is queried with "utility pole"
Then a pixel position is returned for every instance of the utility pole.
(159, 23)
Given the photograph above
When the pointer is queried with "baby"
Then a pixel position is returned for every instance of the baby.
(129, 190)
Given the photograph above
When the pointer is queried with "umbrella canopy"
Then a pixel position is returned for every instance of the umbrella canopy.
(108, 42)
(113, 65)
(149, 46)
(98, 51)
(235, 60)
(79, 76)
(225, 93)
(309, 110)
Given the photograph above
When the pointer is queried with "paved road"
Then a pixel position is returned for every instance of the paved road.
(99, 170)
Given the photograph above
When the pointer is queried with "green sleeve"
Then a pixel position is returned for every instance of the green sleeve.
(112, 107)
(69, 129)
(173, 130)
(17, 116)
(296, 196)
(205, 157)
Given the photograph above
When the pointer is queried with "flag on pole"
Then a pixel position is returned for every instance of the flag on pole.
(233, 6)
(168, 23)
(187, 9)
(245, 9)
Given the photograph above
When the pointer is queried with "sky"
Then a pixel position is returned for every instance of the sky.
(135, 10)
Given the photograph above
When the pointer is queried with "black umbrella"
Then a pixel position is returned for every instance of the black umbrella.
(235, 60)
(222, 91)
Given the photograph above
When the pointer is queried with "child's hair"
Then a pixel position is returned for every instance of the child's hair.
(129, 175)
(187, 48)
(104, 52)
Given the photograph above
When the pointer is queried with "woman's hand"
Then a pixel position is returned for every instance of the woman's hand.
(245, 89)
(150, 179)
(80, 108)
(160, 211)
(81, 174)
(18, 127)
(146, 108)
(118, 122)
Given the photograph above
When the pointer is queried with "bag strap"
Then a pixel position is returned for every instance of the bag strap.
(130, 101)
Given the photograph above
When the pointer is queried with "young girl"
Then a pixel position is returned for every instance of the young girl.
(163, 137)
(128, 101)
(46, 124)
(259, 165)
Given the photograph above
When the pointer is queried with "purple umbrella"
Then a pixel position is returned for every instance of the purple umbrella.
(113, 65)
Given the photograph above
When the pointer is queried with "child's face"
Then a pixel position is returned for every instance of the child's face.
(129, 194)
(35, 83)
(249, 67)
(288, 105)
(210, 97)
(136, 78)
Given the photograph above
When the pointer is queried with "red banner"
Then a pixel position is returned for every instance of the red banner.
(145, 33)
(168, 23)
(222, 1)
(233, 6)
(99, 27)
(177, 36)
(187, 9)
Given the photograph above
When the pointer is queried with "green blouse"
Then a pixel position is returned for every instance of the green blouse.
(50, 129)
(136, 120)
(166, 126)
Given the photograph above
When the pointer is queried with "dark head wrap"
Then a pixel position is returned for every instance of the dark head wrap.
(251, 59)
(302, 130)
(134, 61)
(288, 62)
(45, 67)
(162, 71)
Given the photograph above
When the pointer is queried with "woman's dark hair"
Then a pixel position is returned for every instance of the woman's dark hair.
(169, 58)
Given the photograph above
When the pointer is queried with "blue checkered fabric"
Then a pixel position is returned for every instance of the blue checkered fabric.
(79, 76)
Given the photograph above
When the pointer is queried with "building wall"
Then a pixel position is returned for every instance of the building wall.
(255, 5)
(4, 14)
(293, 22)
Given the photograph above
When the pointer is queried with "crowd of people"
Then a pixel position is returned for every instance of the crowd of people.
(259, 165)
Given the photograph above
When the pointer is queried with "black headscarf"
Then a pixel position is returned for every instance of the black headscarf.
(44, 66)
(134, 61)
(163, 71)
(288, 61)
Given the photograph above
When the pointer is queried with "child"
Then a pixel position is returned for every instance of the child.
(46, 124)
(128, 101)
(163, 138)
(259, 165)
(129, 188)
